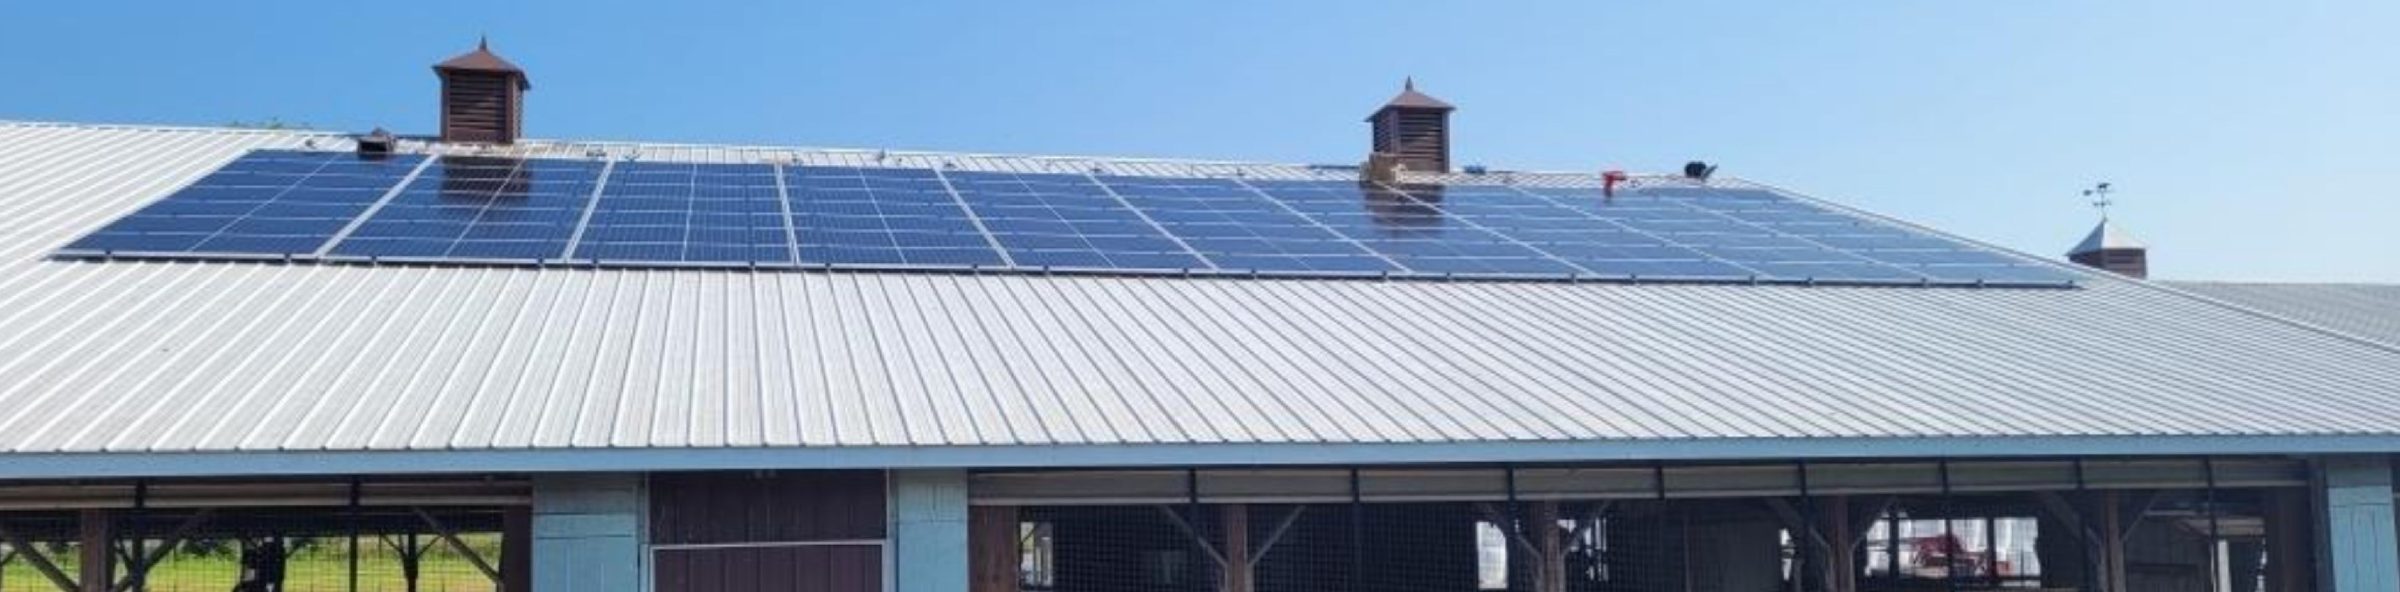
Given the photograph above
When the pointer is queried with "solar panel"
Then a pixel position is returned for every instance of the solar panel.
(485, 210)
(265, 203)
(479, 208)
(1238, 228)
(692, 213)
(1600, 245)
(1789, 239)
(871, 216)
(1068, 221)
(1411, 232)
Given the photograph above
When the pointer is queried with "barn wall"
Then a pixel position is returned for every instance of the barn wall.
(588, 533)
(929, 531)
(2359, 529)
(761, 531)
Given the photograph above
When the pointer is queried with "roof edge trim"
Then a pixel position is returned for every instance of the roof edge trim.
(186, 464)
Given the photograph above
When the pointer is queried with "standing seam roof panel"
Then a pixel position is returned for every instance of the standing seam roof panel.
(130, 357)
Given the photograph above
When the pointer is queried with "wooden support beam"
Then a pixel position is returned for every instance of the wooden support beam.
(993, 549)
(139, 568)
(1194, 535)
(1867, 513)
(411, 557)
(96, 539)
(2112, 529)
(1791, 521)
(40, 562)
(1234, 520)
(1539, 537)
(1281, 528)
(450, 537)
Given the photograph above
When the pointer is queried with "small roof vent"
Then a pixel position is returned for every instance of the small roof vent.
(377, 144)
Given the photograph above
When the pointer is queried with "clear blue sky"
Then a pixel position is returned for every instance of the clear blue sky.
(2255, 140)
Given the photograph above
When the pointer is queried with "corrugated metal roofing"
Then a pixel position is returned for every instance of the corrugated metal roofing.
(261, 367)
(2370, 311)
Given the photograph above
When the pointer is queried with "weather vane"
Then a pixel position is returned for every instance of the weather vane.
(2100, 199)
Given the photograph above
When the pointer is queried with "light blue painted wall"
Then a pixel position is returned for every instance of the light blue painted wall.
(929, 531)
(588, 533)
(2363, 544)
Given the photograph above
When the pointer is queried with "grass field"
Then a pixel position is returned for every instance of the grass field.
(324, 568)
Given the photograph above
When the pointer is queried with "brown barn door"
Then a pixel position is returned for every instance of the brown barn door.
(781, 531)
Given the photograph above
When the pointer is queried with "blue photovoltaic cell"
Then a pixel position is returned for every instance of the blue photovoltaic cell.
(868, 216)
(688, 213)
(1762, 251)
(1602, 245)
(1418, 236)
(1917, 254)
(1239, 229)
(268, 202)
(480, 208)
(1049, 220)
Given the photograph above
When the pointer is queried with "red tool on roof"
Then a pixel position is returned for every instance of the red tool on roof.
(1609, 181)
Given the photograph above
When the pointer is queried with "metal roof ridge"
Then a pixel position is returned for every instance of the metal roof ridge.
(162, 127)
(565, 143)
(2321, 284)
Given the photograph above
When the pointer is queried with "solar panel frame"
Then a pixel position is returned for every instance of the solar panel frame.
(1407, 231)
(1600, 245)
(1068, 222)
(463, 208)
(852, 216)
(686, 214)
(1239, 229)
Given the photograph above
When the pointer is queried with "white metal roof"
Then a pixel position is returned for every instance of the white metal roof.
(2370, 311)
(195, 368)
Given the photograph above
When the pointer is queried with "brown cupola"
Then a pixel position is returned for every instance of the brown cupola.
(483, 97)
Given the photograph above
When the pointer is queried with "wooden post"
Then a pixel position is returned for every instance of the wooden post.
(410, 559)
(1841, 562)
(2112, 542)
(1234, 520)
(98, 570)
(516, 549)
(1550, 567)
(993, 548)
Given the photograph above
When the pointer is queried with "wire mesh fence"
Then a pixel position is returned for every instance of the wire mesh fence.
(310, 564)
(2174, 541)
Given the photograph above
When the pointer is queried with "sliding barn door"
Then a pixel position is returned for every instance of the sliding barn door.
(796, 531)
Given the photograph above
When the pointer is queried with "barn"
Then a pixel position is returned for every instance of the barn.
(607, 366)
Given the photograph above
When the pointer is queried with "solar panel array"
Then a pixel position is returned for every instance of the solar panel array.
(264, 203)
(483, 210)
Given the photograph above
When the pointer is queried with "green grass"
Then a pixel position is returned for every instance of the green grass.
(324, 568)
